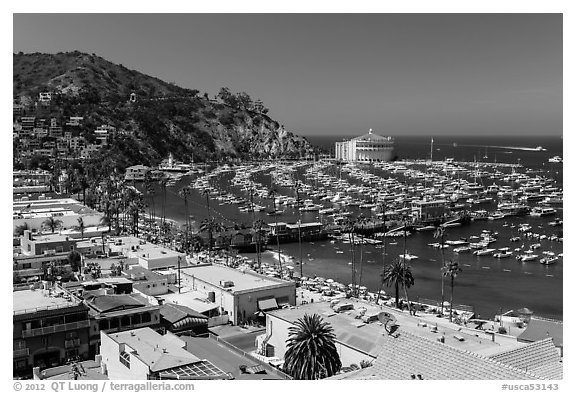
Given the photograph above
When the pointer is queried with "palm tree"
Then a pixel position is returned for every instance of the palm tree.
(105, 221)
(258, 226)
(210, 226)
(297, 189)
(185, 193)
(311, 350)
(451, 270)
(361, 221)
(439, 233)
(52, 223)
(383, 249)
(272, 192)
(19, 230)
(151, 191)
(80, 227)
(349, 227)
(163, 185)
(75, 260)
(399, 275)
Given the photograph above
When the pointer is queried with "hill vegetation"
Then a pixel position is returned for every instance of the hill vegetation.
(164, 118)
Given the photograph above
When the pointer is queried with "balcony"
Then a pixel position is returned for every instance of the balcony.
(21, 352)
(55, 329)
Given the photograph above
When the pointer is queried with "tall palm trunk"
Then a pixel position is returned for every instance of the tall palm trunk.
(451, 294)
(352, 248)
(361, 261)
(441, 271)
(383, 251)
(210, 226)
(404, 264)
(277, 236)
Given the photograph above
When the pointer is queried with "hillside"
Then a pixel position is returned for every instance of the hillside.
(165, 118)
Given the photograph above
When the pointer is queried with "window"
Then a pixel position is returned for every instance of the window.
(125, 359)
(20, 344)
(26, 265)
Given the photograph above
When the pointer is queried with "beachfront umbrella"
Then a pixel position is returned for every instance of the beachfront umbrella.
(446, 303)
(329, 281)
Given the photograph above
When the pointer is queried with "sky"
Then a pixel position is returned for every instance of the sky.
(341, 74)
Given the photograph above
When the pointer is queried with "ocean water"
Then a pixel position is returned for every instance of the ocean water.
(486, 283)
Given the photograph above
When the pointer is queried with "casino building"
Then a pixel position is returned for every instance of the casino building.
(366, 148)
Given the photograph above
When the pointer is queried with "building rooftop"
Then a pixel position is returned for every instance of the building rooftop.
(156, 351)
(111, 303)
(405, 356)
(191, 299)
(224, 358)
(539, 329)
(166, 355)
(351, 331)
(242, 281)
(175, 313)
(370, 136)
(31, 301)
(89, 370)
(541, 358)
(153, 251)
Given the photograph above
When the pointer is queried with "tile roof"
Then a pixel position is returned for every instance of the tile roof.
(541, 358)
(539, 329)
(176, 312)
(405, 354)
(109, 303)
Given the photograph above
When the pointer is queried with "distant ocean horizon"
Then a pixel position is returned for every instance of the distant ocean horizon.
(488, 148)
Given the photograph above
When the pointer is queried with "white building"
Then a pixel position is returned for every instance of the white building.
(366, 148)
(143, 354)
(239, 294)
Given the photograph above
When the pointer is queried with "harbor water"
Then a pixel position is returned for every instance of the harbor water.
(488, 284)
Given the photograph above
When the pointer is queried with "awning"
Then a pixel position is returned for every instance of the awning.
(189, 322)
(267, 304)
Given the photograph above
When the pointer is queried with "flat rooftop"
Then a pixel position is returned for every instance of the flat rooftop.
(156, 351)
(29, 301)
(213, 274)
(369, 338)
(194, 300)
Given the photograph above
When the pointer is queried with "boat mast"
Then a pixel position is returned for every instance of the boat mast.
(431, 148)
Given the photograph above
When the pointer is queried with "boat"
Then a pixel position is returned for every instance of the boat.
(460, 242)
(408, 257)
(426, 228)
(549, 260)
(527, 257)
(556, 222)
(555, 159)
(462, 249)
(542, 211)
(486, 251)
(503, 254)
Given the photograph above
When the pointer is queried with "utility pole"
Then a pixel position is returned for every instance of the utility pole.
(179, 282)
